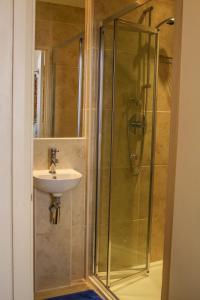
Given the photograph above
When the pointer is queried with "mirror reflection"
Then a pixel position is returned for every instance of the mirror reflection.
(59, 68)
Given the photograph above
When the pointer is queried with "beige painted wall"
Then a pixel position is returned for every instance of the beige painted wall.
(60, 249)
(6, 251)
(185, 260)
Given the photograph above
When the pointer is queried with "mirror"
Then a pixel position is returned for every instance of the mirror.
(59, 68)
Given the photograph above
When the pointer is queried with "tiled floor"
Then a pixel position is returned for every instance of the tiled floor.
(142, 288)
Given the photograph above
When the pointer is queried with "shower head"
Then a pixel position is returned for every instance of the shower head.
(171, 21)
(168, 21)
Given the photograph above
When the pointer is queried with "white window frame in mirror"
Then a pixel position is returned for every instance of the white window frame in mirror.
(44, 128)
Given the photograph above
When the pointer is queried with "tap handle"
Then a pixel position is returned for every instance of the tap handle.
(52, 155)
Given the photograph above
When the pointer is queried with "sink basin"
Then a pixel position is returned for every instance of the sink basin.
(56, 184)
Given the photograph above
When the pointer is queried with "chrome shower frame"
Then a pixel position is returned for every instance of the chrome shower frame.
(126, 10)
(144, 29)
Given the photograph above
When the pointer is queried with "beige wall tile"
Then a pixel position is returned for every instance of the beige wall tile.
(106, 138)
(68, 56)
(78, 252)
(124, 197)
(78, 204)
(59, 249)
(162, 138)
(43, 34)
(103, 246)
(69, 119)
(66, 94)
(71, 153)
(158, 219)
(144, 185)
(68, 14)
(95, 76)
(63, 31)
(104, 9)
(43, 11)
(164, 87)
(142, 240)
(146, 159)
(124, 247)
(108, 79)
(103, 209)
(52, 244)
(66, 85)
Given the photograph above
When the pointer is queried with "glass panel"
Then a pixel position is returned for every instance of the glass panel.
(131, 151)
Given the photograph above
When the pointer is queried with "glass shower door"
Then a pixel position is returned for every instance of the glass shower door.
(127, 118)
(104, 154)
(132, 142)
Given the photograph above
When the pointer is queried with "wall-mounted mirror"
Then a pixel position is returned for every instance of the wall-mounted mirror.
(59, 68)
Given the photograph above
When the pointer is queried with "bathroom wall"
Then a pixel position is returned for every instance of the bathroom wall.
(184, 158)
(162, 10)
(60, 249)
(54, 25)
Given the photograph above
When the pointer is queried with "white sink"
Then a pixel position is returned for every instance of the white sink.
(56, 184)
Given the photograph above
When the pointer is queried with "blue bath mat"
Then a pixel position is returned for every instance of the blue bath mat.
(86, 295)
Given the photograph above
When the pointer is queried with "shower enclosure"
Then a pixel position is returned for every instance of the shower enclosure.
(126, 132)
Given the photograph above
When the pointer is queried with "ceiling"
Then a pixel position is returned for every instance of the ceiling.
(75, 3)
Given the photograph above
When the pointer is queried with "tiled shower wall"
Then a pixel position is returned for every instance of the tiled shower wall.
(162, 9)
(60, 249)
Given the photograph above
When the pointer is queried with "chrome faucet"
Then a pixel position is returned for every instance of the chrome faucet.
(53, 160)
